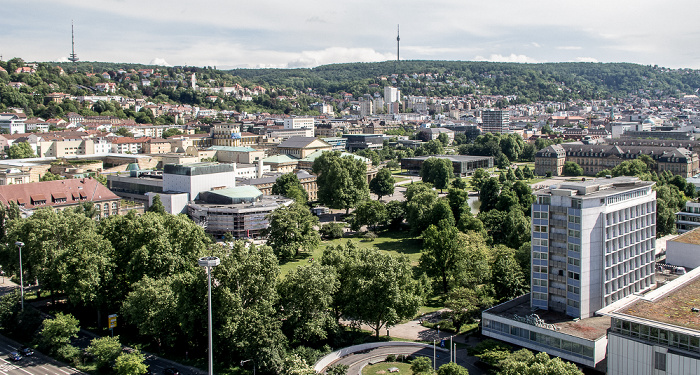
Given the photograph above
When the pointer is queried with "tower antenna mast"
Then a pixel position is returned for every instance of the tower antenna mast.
(397, 42)
(73, 57)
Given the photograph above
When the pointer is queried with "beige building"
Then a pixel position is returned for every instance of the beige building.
(301, 147)
(596, 158)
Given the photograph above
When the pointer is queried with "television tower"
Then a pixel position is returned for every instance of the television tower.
(73, 57)
(397, 42)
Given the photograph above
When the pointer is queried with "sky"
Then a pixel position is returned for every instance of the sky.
(308, 33)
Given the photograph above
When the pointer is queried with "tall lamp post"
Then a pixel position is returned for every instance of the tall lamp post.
(209, 263)
(21, 278)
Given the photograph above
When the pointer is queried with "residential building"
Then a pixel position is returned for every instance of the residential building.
(391, 95)
(60, 195)
(430, 134)
(227, 134)
(128, 145)
(495, 121)
(156, 146)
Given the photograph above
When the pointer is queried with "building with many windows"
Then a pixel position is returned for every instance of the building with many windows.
(495, 121)
(689, 218)
(658, 333)
(593, 243)
(595, 158)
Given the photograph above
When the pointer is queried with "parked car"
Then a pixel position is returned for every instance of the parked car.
(171, 371)
(15, 356)
(26, 351)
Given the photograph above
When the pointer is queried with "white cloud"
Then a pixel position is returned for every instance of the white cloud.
(510, 58)
(586, 59)
(570, 48)
(307, 59)
(535, 44)
(159, 61)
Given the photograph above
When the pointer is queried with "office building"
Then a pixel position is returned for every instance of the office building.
(299, 123)
(495, 121)
(593, 243)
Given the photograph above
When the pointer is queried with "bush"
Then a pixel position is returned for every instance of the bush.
(391, 358)
(105, 350)
(487, 345)
(68, 353)
(369, 236)
(421, 365)
(332, 230)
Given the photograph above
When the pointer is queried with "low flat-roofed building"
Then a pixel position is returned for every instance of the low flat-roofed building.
(463, 164)
(134, 185)
(684, 250)
(689, 218)
(658, 333)
(264, 183)
(582, 341)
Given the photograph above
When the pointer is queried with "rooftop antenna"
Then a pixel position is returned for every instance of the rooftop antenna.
(73, 57)
(397, 42)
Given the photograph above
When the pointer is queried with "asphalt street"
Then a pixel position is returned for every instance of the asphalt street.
(38, 364)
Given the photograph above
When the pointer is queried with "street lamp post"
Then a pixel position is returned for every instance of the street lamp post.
(21, 276)
(249, 360)
(209, 263)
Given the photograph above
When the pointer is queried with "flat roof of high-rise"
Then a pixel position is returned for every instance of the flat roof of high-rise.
(591, 188)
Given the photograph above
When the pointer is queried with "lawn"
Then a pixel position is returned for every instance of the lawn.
(391, 242)
(383, 368)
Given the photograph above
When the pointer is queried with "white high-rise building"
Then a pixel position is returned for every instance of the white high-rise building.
(593, 243)
(391, 94)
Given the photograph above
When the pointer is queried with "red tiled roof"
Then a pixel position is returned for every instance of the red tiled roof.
(64, 193)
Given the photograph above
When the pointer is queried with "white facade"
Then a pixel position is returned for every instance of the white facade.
(102, 146)
(196, 178)
(684, 250)
(12, 123)
(174, 203)
(391, 94)
(592, 243)
(299, 123)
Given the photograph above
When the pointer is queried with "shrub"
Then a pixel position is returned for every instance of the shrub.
(391, 358)
(332, 230)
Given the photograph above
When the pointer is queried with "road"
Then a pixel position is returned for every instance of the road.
(38, 364)
(358, 360)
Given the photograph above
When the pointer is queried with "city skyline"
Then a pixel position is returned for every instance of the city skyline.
(310, 33)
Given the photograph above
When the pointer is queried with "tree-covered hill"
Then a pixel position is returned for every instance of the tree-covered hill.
(530, 82)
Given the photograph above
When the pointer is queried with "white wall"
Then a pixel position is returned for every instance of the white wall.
(682, 254)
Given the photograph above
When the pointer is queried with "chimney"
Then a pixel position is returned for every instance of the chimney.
(260, 168)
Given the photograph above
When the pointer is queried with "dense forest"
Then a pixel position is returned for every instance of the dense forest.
(292, 91)
(530, 82)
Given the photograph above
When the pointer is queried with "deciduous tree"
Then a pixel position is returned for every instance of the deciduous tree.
(292, 230)
(383, 184)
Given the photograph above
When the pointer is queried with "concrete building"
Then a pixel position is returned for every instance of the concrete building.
(593, 243)
(658, 333)
(301, 147)
(689, 218)
(362, 141)
(299, 123)
(684, 250)
(241, 211)
(198, 177)
(391, 95)
(464, 165)
(495, 121)
(13, 123)
(430, 134)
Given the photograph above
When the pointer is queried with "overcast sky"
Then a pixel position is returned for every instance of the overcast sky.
(308, 33)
